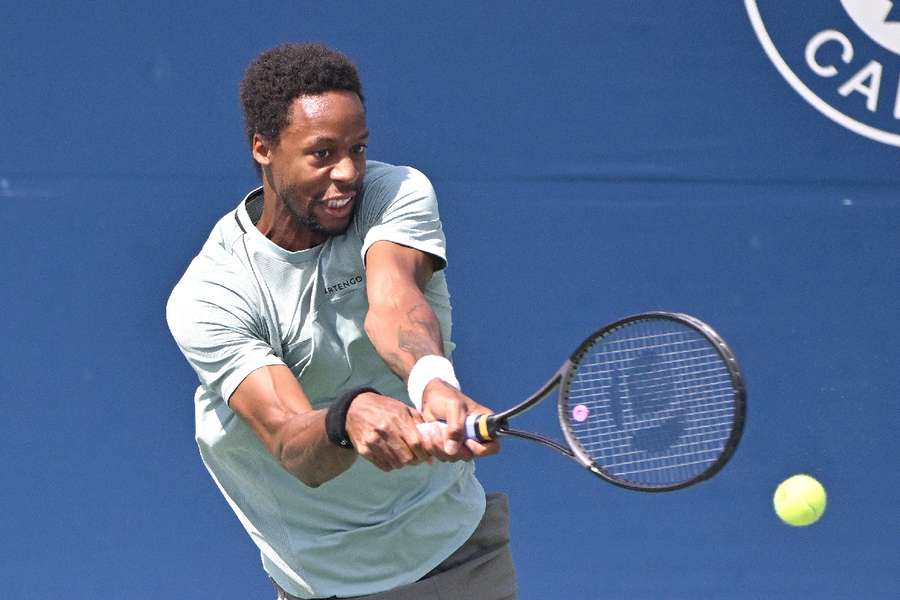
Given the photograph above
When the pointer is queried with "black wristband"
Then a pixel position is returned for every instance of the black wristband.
(336, 417)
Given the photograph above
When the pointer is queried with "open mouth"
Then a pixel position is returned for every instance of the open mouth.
(338, 203)
(339, 207)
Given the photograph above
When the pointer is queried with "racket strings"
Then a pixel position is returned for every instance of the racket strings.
(651, 403)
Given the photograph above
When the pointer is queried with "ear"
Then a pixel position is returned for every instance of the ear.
(261, 149)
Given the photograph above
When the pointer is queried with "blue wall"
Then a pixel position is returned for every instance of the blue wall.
(592, 160)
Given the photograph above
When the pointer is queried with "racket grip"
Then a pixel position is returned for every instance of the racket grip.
(478, 427)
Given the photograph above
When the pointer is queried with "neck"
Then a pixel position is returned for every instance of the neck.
(280, 225)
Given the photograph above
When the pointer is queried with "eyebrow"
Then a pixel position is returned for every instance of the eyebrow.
(322, 139)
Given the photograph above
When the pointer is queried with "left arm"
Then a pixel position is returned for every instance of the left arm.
(403, 328)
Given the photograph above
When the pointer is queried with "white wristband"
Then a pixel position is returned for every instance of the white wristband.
(428, 368)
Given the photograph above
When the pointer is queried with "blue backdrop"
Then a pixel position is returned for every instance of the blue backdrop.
(592, 160)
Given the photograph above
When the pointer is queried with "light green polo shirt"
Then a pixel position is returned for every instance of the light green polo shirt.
(245, 303)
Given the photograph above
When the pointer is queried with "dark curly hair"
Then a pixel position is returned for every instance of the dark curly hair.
(280, 75)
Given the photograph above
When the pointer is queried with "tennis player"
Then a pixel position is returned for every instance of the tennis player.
(317, 319)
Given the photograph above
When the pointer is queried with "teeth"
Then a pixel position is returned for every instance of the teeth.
(338, 203)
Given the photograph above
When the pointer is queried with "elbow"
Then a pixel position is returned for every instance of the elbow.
(307, 477)
(293, 464)
(310, 482)
(315, 478)
(302, 468)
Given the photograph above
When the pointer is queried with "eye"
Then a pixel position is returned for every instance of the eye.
(321, 154)
(359, 148)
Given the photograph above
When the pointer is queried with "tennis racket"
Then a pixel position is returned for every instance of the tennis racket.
(653, 402)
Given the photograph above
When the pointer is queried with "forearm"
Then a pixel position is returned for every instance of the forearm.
(271, 401)
(403, 330)
(301, 447)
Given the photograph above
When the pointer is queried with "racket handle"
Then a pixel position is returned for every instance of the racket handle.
(478, 427)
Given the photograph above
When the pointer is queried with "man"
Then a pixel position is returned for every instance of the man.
(317, 318)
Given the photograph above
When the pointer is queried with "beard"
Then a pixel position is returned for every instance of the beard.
(290, 198)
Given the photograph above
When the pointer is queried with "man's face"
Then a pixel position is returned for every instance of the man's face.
(317, 168)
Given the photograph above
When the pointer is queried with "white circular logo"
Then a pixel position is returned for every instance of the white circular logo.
(879, 19)
(843, 57)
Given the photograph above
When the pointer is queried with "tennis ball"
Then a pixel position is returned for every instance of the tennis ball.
(799, 500)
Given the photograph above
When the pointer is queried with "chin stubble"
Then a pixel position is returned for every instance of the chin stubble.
(308, 221)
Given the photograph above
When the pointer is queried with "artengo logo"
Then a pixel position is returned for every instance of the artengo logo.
(841, 56)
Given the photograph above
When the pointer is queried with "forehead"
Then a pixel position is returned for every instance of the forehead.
(339, 113)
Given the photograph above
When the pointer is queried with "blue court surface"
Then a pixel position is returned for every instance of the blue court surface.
(592, 160)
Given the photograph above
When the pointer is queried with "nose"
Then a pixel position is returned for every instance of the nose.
(345, 171)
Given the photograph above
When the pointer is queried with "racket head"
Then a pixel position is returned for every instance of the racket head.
(653, 402)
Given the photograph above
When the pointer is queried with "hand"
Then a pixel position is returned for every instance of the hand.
(441, 401)
(383, 431)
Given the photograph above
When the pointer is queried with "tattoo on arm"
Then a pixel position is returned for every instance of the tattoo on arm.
(417, 336)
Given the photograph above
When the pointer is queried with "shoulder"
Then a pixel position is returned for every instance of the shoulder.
(216, 280)
(381, 173)
(391, 191)
(399, 205)
(384, 181)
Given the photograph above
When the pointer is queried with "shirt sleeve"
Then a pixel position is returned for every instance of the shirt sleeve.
(219, 334)
(400, 206)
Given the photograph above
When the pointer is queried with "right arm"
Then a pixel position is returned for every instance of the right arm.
(272, 402)
(216, 329)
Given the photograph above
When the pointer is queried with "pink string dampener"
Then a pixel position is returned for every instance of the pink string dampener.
(580, 412)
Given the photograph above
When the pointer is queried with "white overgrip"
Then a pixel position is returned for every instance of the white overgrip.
(430, 426)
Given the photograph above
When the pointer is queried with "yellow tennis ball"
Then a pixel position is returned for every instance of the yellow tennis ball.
(799, 500)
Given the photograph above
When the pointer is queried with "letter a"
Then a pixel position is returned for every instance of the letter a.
(856, 84)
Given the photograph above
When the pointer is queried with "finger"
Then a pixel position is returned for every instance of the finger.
(430, 439)
(422, 445)
(373, 458)
(456, 433)
(427, 415)
(462, 452)
(480, 449)
(383, 450)
(416, 443)
(401, 443)
(404, 454)
(433, 432)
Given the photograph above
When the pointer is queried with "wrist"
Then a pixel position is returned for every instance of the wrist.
(336, 417)
(427, 369)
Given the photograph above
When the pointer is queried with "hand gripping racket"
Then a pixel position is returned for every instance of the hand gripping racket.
(653, 402)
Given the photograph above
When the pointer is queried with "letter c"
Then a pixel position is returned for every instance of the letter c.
(820, 39)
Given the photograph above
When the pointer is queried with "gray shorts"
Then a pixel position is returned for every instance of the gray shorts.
(481, 568)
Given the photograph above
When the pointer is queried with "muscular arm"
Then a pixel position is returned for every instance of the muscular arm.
(400, 322)
(403, 328)
(274, 405)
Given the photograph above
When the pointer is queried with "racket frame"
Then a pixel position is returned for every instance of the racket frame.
(734, 372)
(488, 427)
